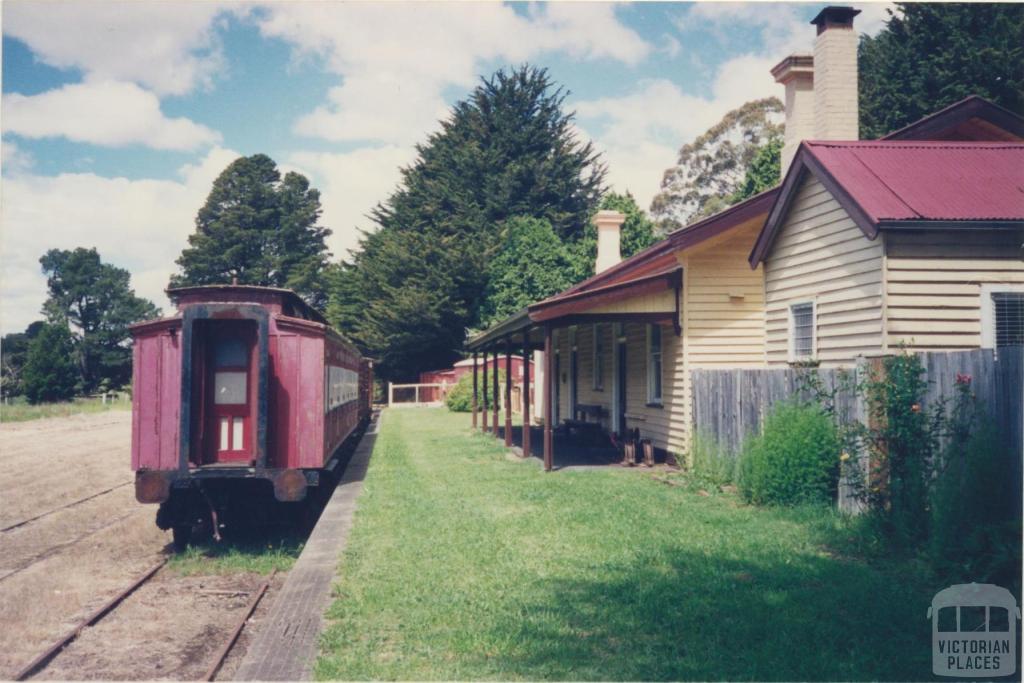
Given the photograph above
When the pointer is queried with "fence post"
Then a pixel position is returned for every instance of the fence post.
(391, 393)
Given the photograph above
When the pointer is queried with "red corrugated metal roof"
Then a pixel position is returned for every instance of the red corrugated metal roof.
(949, 181)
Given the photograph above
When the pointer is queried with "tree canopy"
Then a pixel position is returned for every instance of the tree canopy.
(930, 55)
(96, 301)
(533, 264)
(258, 228)
(710, 169)
(13, 355)
(50, 372)
(763, 173)
(418, 282)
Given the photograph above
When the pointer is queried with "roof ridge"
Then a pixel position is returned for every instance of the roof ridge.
(897, 144)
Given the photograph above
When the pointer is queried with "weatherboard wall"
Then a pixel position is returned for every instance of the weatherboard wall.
(934, 281)
(820, 255)
(722, 315)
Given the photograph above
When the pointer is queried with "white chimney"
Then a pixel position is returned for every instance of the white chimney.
(835, 82)
(796, 72)
(609, 252)
(821, 89)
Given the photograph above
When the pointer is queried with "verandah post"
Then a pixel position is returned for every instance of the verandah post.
(549, 455)
(474, 390)
(497, 395)
(526, 393)
(508, 393)
(484, 426)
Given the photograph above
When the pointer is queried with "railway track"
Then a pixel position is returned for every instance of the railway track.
(40, 663)
(24, 522)
(54, 549)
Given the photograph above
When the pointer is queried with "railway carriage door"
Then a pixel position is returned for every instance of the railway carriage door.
(229, 435)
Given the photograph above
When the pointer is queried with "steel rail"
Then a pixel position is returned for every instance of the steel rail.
(233, 638)
(23, 522)
(53, 550)
(52, 651)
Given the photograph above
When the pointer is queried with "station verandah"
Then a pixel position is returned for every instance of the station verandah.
(559, 442)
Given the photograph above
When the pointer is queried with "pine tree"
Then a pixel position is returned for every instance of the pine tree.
(258, 229)
(416, 284)
(930, 55)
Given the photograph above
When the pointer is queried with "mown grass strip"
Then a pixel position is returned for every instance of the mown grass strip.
(464, 564)
(21, 411)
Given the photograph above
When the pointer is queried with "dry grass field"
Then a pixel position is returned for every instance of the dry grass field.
(57, 568)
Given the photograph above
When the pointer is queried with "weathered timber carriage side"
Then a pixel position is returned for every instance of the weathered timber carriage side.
(246, 390)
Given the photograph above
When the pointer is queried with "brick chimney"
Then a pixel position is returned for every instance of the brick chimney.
(821, 89)
(609, 225)
(796, 72)
(835, 83)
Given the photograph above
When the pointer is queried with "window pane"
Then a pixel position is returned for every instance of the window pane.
(223, 433)
(998, 619)
(803, 330)
(655, 338)
(1009, 318)
(972, 619)
(237, 442)
(229, 388)
(947, 620)
(229, 353)
(657, 377)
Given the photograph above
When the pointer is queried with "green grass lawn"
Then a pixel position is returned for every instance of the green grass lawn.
(19, 410)
(466, 564)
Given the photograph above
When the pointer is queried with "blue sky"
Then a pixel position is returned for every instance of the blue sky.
(117, 116)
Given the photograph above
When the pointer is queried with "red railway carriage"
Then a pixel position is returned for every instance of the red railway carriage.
(245, 390)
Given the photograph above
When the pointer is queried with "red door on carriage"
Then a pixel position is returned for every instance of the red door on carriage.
(230, 407)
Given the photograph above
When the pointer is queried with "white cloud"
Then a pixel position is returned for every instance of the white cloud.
(168, 47)
(102, 113)
(396, 59)
(641, 132)
(351, 185)
(141, 225)
(15, 159)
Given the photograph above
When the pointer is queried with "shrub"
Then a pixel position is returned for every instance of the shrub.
(460, 397)
(795, 460)
(50, 372)
(975, 530)
(710, 463)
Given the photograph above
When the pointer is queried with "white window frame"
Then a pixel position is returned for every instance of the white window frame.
(574, 370)
(793, 358)
(651, 398)
(597, 359)
(988, 309)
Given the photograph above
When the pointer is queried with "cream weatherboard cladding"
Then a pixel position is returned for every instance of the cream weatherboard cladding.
(934, 281)
(821, 256)
(722, 315)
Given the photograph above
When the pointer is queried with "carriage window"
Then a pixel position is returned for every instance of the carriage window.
(230, 353)
(229, 388)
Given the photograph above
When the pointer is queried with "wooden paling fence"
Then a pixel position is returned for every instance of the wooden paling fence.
(729, 405)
